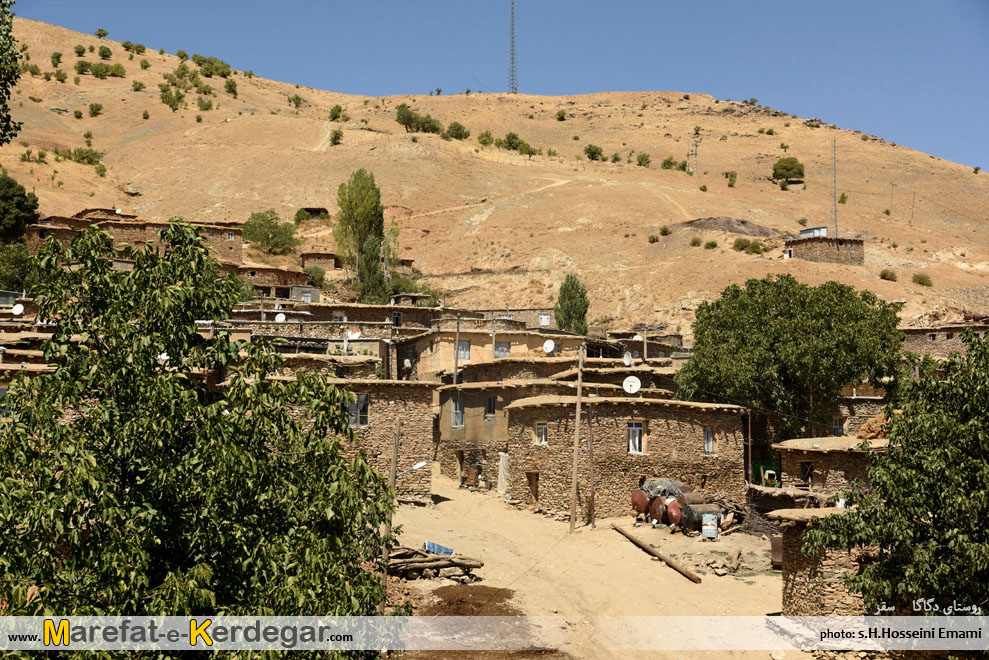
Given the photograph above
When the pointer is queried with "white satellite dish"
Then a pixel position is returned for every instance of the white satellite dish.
(631, 384)
(353, 333)
(637, 338)
(163, 357)
(549, 346)
(627, 359)
(407, 363)
(117, 211)
(279, 318)
(17, 310)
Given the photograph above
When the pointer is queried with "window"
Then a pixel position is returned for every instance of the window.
(339, 317)
(357, 411)
(506, 316)
(932, 336)
(489, 408)
(253, 273)
(542, 433)
(837, 426)
(458, 411)
(635, 437)
(396, 319)
(709, 446)
(806, 472)
(949, 336)
(210, 233)
(544, 319)
(502, 349)
(231, 236)
(307, 296)
(788, 254)
(463, 349)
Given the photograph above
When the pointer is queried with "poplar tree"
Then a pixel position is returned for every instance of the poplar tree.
(571, 306)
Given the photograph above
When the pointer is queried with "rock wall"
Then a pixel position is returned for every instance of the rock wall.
(939, 343)
(833, 471)
(849, 251)
(812, 586)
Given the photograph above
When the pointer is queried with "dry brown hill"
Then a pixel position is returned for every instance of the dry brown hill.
(491, 228)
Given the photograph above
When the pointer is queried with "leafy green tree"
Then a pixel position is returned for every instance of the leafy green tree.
(79, 50)
(18, 209)
(788, 349)
(571, 306)
(336, 112)
(105, 53)
(926, 506)
(16, 267)
(315, 275)
(182, 55)
(230, 86)
(369, 272)
(174, 497)
(301, 216)
(593, 152)
(56, 59)
(361, 216)
(512, 141)
(10, 72)
(528, 150)
(268, 232)
(787, 169)
(405, 117)
(457, 131)
(485, 139)
(101, 34)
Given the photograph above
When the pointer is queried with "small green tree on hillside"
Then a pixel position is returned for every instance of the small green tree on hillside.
(18, 209)
(787, 169)
(926, 505)
(268, 232)
(10, 72)
(457, 131)
(787, 349)
(571, 306)
(361, 216)
(101, 34)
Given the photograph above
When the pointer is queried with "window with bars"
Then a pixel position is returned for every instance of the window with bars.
(837, 426)
(544, 319)
(542, 433)
(358, 409)
(635, 438)
(458, 411)
(463, 349)
(709, 444)
(502, 349)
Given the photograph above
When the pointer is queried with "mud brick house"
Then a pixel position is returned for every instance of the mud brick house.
(812, 586)
(523, 367)
(827, 465)
(649, 375)
(701, 444)
(473, 418)
(849, 251)
(271, 282)
(325, 260)
(341, 366)
(941, 341)
(532, 317)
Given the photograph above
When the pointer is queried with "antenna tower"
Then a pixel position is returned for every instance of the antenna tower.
(692, 151)
(513, 61)
(834, 185)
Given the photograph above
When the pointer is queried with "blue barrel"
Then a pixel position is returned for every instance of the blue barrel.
(709, 525)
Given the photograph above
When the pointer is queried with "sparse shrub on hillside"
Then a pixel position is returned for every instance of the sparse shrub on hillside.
(710, 245)
(770, 131)
(485, 139)
(755, 247)
(100, 170)
(923, 279)
(552, 153)
(127, 45)
(137, 85)
(664, 231)
(843, 199)
(695, 241)
(82, 67)
(182, 55)
(230, 87)
(172, 98)
(301, 216)
(295, 100)
(92, 48)
(512, 141)
(887, 274)
(101, 34)
(199, 119)
(336, 112)
(732, 176)
(886, 212)
(61, 76)
(561, 115)
(457, 131)
(77, 114)
(145, 115)
(784, 146)
(204, 104)
(105, 53)
(336, 137)
(413, 122)
(784, 185)
(616, 157)
(101, 70)
(682, 166)
(80, 50)
(643, 160)
(593, 152)
(56, 59)
(697, 130)
(802, 222)
(787, 169)
(761, 131)
(145, 65)
(576, 138)
(653, 238)
(740, 244)
(315, 276)
(76, 80)
(528, 150)
(212, 66)
(976, 169)
(95, 109)
(668, 163)
(703, 188)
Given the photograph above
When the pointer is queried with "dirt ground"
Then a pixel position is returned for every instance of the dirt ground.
(532, 566)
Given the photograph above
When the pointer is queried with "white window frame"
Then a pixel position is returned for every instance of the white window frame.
(507, 345)
(710, 441)
(458, 412)
(838, 426)
(543, 319)
(541, 430)
(358, 412)
(463, 354)
(231, 236)
(339, 317)
(636, 434)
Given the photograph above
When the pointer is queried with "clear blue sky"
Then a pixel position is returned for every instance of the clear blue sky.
(914, 72)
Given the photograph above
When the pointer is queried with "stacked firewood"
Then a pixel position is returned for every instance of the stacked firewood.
(413, 564)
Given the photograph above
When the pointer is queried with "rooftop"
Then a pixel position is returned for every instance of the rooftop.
(831, 443)
(804, 515)
(554, 400)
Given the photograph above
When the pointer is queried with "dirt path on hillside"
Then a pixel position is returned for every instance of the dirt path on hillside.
(594, 572)
(491, 202)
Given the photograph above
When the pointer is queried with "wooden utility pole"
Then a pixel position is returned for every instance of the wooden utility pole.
(456, 361)
(590, 447)
(576, 439)
(748, 447)
(645, 348)
(392, 475)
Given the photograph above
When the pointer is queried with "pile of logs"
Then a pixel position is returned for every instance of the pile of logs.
(412, 564)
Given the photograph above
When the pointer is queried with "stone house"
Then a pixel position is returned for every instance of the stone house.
(826, 465)
(272, 282)
(649, 375)
(812, 586)
(940, 341)
(531, 317)
(701, 444)
(849, 251)
(328, 261)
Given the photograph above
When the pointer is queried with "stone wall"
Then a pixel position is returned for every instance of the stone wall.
(258, 276)
(324, 260)
(529, 316)
(858, 410)
(673, 448)
(939, 343)
(833, 471)
(35, 236)
(509, 369)
(850, 251)
(812, 586)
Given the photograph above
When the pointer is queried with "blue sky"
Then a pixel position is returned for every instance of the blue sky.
(913, 72)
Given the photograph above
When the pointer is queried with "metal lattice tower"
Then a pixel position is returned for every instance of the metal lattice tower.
(513, 63)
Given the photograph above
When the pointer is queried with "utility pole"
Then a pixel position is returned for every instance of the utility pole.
(834, 185)
(891, 186)
(576, 439)
(590, 447)
(513, 62)
(384, 544)
(913, 202)
(692, 151)
(456, 366)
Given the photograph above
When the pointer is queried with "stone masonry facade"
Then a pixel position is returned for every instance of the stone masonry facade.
(832, 471)
(812, 586)
(940, 342)
(850, 251)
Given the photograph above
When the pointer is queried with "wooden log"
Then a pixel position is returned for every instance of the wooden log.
(448, 562)
(690, 575)
(735, 562)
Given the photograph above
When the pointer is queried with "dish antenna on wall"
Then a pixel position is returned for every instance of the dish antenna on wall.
(17, 310)
(627, 359)
(279, 318)
(631, 384)
(637, 338)
(549, 346)
(354, 333)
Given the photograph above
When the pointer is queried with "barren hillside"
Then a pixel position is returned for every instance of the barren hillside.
(489, 227)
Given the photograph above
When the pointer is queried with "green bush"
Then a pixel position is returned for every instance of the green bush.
(230, 86)
(485, 139)
(56, 59)
(95, 109)
(61, 76)
(301, 216)
(741, 244)
(145, 65)
(887, 274)
(786, 169)
(127, 45)
(105, 53)
(703, 188)
(802, 222)
(212, 66)
(101, 170)
(664, 231)
(697, 130)
(754, 247)
(146, 115)
(695, 241)
(616, 157)
(669, 163)
(457, 131)
(710, 245)
(172, 98)
(886, 212)
(593, 152)
(643, 160)
(266, 230)
(653, 238)
(976, 169)
(315, 276)
(80, 50)
(82, 67)
(843, 198)
(512, 141)
(336, 137)
(682, 166)
(923, 279)
(101, 34)
(204, 104)
(770, 131)
(137, 85)
(182, 55)
(732, 176)
(561, 115)
(336, 112)
(101, 70)
(295, 100)
(77, 114)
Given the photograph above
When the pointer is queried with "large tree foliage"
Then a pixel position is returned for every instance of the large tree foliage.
(571, 306)
(9, 71)
(926, 508)
(372, 279)
(361, 217)
(131, 487)
(18, 209)
(788, 168)
(269, 233)
(16, 267)
(788, 349)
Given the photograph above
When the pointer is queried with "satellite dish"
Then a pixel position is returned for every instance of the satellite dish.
(353, 333)
(17, 310)
(407, 363)
(637, 338)
(117, 211)
(163, 357)
(549, 346)
(631, 384)
(279, 318)
(627, 359)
